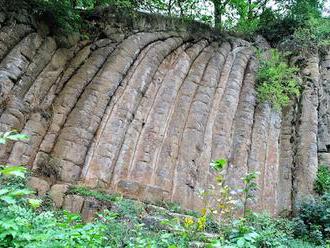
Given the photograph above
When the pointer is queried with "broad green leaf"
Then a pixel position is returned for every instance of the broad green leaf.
(8, 199)
(12, 135)
(18, 171)
(4, 191)
(18, 136)
(219, 164)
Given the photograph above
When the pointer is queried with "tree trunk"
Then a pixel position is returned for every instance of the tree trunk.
(217, 14)
(169, 8)
(180, 8)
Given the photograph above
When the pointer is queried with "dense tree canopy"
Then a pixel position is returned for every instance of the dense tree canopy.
(268, 17)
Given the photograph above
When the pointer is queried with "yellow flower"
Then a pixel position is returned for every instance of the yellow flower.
(188, 222)
(201, 223)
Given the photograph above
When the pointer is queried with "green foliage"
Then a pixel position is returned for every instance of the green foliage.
(297, 21)
(189, 10)
(258, 230)
(322, 181)
(249, 190)
(122, 232)
(241, 235)
(65, 15)
(221, 201)
(247, 27)
(21, 225)
(275, 27)
(272, 232)
(12, 135)
(98, 195)
(315, 33)
(13, 191)
(129, 208)
(298, 24)
(248, 12)
(24, 227)
(17, 171)
(313, 220)
(24, 222)
(277, 81)
(58, 14)
(172, 206)
(219, 164)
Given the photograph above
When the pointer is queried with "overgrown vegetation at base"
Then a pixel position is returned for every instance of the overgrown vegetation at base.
(22, 225)
(127, 223)
(277, 81)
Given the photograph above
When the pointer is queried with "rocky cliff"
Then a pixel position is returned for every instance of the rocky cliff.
(144, 108)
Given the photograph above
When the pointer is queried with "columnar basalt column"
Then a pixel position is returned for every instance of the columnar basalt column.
(144, 110)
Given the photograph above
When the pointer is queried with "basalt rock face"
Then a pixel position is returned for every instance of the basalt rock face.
(144, 109)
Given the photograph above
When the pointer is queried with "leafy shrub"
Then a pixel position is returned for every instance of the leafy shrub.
(322, 181)
(273, 232)
(12, 178)
(259, 230)
(300, 25)
(313, 35)
(21, 225)
(240, 234)
(313, 220)
(248, 27)
(10, 193)
(277, 81)
(24, 227)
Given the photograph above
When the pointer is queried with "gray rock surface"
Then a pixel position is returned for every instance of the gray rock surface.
(145, 110)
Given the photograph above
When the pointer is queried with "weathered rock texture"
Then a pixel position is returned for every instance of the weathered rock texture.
(143, 111)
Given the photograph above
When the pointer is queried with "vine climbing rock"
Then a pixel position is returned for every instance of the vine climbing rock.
(146, 108)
